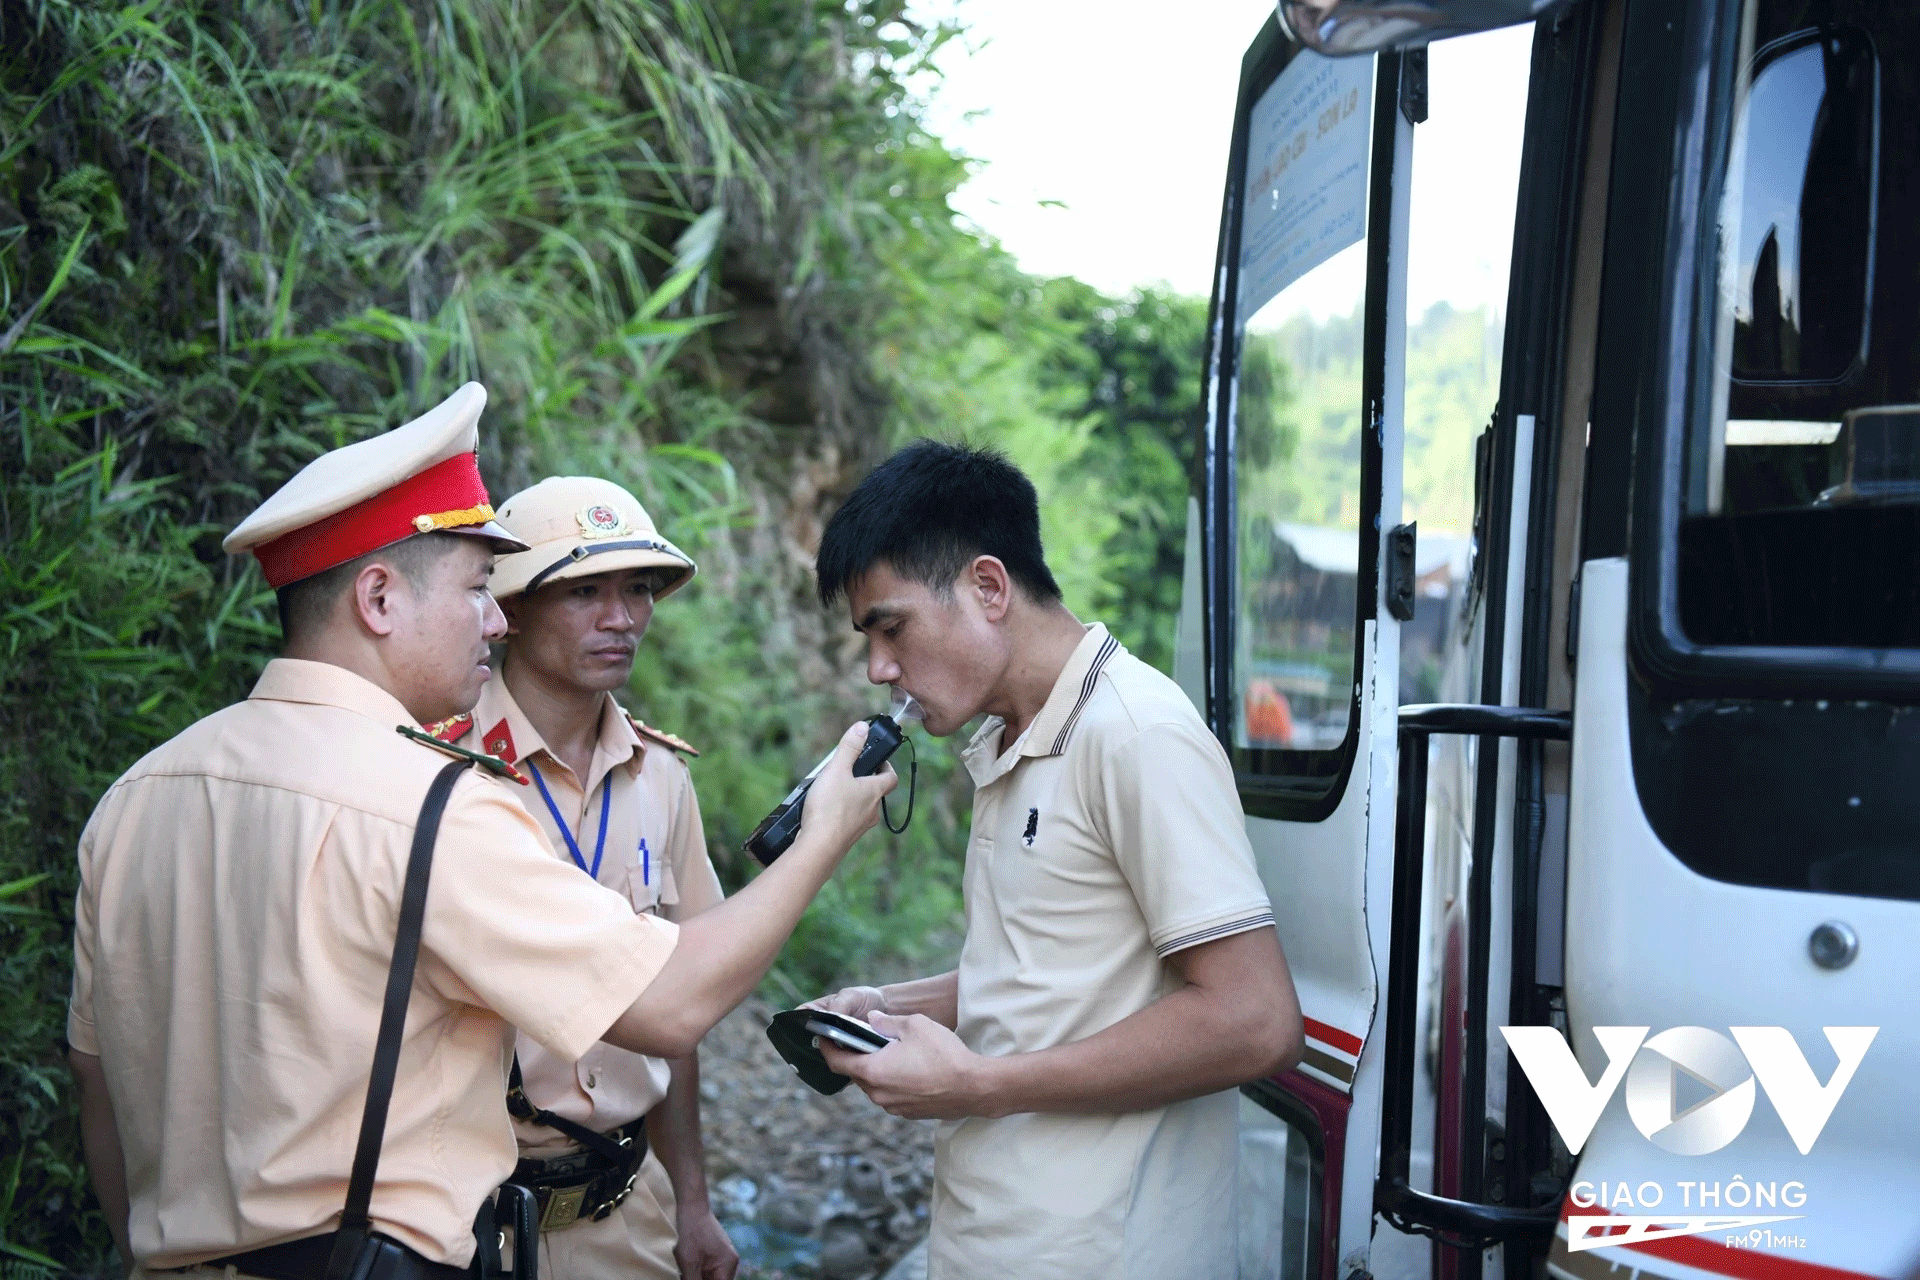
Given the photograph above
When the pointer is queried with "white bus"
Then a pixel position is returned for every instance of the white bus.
(1670, 778)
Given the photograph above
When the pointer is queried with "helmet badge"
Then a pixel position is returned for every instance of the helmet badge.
(600, 521)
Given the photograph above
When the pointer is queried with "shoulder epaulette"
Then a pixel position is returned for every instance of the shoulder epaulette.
(452, 729)
(662, 737)
(498, 768)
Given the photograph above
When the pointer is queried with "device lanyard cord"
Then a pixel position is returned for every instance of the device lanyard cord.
(566, 833)
(913, 787)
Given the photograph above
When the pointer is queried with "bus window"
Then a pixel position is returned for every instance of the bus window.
(1798, 216)
(1459, 256)
(1811, 450)
(1297, 421)
(1775, 742)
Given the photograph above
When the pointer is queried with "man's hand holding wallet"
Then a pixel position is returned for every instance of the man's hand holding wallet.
(926, 1073)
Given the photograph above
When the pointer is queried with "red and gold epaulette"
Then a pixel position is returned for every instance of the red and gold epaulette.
(452, 729)
(662, 737)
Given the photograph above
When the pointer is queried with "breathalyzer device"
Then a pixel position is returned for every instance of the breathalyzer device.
(776, 831)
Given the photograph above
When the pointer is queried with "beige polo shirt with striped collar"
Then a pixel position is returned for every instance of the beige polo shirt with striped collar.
(1106, 838)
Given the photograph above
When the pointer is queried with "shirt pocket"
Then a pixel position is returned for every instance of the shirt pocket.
(650, 880)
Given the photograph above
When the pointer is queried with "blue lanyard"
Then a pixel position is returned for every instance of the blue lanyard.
(573, 846)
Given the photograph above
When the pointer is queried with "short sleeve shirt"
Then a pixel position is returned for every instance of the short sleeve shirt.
(1107, 838)
(239, 897)
(653, 854)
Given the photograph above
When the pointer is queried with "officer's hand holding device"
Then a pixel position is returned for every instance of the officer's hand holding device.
(777, 830)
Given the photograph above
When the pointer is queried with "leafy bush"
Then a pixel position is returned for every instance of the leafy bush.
(235, 236)
(113, 637)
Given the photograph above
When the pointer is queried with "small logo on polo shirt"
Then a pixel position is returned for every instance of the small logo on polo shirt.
(1033, 828)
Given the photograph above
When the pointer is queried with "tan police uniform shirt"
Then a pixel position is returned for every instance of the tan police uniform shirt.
(648, 792)
(238, 902)
(1106, 838)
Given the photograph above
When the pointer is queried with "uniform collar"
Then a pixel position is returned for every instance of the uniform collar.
(618, 746)
(323, 684)
(1050, 731)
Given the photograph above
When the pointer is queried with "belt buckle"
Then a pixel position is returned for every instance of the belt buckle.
(605, 1211)
(563, 1208)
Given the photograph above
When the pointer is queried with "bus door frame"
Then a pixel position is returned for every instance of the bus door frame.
(1342, 1126)
(1531, 499)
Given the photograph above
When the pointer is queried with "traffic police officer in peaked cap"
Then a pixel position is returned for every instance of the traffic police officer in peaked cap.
(617, 803)
(240, 898)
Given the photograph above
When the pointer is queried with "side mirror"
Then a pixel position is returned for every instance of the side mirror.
(1336, 27)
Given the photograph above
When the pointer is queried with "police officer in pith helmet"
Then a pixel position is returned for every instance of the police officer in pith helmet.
(610, 1143)
(244, 886)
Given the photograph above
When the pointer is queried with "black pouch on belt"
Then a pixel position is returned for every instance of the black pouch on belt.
(588, 1184)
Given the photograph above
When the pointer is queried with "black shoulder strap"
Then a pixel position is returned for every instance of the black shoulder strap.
(521, 1107)
(355, 1225)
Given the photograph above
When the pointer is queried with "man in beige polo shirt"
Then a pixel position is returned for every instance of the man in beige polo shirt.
(617, 804)
(239, 890)
(1120, 972)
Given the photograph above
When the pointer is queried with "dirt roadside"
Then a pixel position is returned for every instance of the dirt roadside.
(807, 1186)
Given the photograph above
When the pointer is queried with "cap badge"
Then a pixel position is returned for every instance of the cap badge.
(600, 521)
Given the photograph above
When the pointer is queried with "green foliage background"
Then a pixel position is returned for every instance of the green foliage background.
(702, 247)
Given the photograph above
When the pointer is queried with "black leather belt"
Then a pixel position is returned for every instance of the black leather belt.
(306, 1259)
(586, 1184)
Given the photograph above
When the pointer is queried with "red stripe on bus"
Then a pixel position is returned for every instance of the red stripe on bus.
(1742, 1264)
(1334, 1036)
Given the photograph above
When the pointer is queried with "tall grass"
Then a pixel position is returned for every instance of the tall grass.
(233, 236)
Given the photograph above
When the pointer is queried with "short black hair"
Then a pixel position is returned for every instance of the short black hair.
(306, 605)
(929, 510)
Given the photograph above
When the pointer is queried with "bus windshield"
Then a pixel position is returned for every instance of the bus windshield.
(1801, 525)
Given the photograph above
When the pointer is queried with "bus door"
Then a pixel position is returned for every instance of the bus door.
(1300, 662)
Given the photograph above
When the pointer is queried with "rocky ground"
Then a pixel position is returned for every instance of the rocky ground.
(807, 1186)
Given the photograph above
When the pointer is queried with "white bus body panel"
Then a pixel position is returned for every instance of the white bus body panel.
(1650, 942)
(1321, 877)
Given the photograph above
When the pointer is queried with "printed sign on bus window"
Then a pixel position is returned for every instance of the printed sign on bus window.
(1306, 183)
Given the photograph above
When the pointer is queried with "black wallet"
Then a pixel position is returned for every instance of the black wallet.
(794, 1041)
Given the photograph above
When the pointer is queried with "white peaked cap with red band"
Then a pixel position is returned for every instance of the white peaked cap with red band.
(423, 477)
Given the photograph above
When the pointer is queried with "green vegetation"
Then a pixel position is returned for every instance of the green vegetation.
(702, 247)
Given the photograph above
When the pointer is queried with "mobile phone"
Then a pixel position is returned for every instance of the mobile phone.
(847, 1032)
